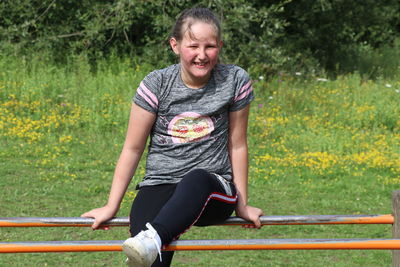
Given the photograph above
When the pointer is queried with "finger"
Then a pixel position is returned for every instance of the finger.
(87, 215)
(257, 223)
(95, 225)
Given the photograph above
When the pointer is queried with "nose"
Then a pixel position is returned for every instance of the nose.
(202, 53)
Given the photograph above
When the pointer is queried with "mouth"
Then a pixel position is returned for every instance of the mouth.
(200, 64)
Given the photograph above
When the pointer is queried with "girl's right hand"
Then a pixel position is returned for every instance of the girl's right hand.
(100, 215)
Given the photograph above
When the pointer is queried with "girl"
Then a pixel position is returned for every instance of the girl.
(196, 114)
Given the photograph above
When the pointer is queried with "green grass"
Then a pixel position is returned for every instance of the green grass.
(316, 147)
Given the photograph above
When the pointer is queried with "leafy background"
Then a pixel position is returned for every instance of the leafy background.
(263, 36)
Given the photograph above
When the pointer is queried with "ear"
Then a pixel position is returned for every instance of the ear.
(174, 45)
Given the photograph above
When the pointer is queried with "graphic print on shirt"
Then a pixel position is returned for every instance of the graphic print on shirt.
(190, 127)
(164, 121)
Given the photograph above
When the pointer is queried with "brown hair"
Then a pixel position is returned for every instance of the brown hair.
(189, 16)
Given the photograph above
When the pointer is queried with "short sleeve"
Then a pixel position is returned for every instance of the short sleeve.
(147, 93)
(243, 90)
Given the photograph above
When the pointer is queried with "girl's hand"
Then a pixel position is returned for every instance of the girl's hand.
(100, 215)
(250, 213)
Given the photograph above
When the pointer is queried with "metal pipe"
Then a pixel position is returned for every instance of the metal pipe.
(265, 220)
(57, 222)
(317, 219)
(230, 244)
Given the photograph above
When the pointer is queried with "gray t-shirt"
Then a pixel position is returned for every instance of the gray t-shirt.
(191, 128)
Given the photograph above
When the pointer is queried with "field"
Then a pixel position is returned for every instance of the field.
(317, 146)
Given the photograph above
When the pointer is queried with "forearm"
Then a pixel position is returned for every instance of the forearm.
(239, 162)
(238, 152)
(124, 171)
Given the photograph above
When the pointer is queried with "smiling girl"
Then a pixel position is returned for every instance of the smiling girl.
(196, 114)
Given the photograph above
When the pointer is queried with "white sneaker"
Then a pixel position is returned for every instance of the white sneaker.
(142, 249)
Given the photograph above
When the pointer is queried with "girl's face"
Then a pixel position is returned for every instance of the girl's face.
(198, 51)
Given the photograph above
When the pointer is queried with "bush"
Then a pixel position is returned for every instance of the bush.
(333, 31)
(264, 37)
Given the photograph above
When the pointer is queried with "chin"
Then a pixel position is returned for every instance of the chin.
(202, 71)
(202, 75)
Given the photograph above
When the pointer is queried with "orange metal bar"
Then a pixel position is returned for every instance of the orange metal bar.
(74, 246)
(265, 220)
(372, 219)
(318, 220)
(240, 244)
(299, 244)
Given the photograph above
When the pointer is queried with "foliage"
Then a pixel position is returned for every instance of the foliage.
(333, 30)
(264, 37)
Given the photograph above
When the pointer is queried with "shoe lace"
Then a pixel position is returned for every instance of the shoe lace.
(153, 237)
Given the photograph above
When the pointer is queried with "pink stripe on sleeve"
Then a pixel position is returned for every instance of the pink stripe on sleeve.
(245, 87)
(142, 94)
(149, 93)
(244, 91)
(150, 98)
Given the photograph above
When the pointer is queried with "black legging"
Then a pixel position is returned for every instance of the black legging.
(198, 199)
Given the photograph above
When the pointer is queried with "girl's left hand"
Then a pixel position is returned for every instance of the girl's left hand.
(250, 213)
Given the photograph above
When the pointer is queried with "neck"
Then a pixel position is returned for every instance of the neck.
(193, 82)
